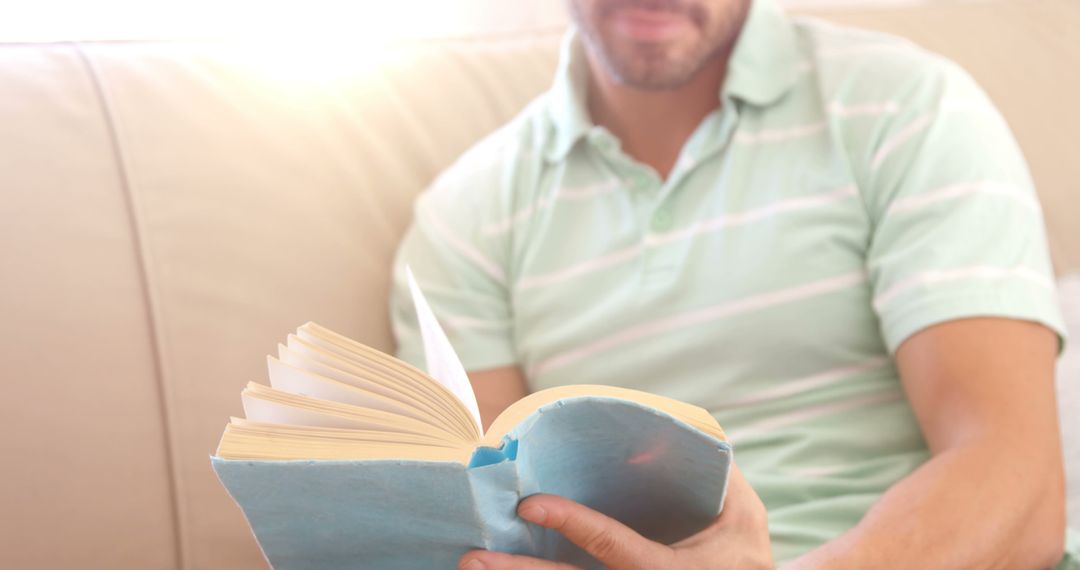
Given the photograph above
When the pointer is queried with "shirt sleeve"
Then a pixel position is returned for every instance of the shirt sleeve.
(462, 272)
(957, 227)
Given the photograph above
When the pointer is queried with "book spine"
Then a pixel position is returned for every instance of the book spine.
(497, 488)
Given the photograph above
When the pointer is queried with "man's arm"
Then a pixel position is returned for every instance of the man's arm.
(497, 388)
(992, 495)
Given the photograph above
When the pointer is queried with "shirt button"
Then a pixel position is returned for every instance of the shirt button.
(639, 181)
(602, 140)
(662, 219)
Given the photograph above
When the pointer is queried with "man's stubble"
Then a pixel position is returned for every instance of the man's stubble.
(660, 66)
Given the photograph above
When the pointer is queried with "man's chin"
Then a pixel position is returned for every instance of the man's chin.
(651, 81)
(648, 72)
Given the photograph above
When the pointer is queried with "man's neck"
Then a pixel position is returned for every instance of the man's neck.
(652, 125)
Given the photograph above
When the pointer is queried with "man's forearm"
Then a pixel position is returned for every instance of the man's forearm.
(982, 505)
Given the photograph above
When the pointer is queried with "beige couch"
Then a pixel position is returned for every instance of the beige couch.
(168, 211)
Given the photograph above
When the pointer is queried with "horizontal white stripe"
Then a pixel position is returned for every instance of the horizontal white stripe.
(465, 249)
(836, 109)
(588, 191)
(806, 383)
(470, 323)
(1014, 192)
(983, 272)
(895, 141)
(899, 47)
(750, 216)
(945, 107)
(821, 470)
(504, 226)
(700, 316)
(773, 135)
(839, 109)
(481, 160)
(580, 193)
(699, 228)
(579, 269)
(756, 430)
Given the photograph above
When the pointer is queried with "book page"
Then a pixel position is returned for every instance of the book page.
(443, 363)
(269, 405)
(298, 381)
(322, 357)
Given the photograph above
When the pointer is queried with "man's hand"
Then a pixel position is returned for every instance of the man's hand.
(738, 538)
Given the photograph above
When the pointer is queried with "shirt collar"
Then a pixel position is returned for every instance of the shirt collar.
(763, 67)
(766, 59)
(567, 108)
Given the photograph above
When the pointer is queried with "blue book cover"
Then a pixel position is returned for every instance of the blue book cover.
(352, 459)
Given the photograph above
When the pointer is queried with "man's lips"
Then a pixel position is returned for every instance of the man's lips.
(647, 25)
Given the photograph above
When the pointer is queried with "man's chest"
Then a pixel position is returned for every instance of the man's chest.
(746, 264)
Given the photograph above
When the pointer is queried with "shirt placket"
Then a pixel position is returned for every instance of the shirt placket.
(663, 241)
(656, 200)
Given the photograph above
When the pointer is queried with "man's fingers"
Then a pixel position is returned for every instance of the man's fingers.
(742, 506)
(485, 560)
(604, 538)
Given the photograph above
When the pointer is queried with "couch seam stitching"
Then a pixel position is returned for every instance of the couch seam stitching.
(153, 310)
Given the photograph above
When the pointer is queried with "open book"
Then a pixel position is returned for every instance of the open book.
(354, 459)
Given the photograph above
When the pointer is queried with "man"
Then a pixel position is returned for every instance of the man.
(826, 237)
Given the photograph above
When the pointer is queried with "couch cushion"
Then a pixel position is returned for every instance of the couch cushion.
(270, 195)
(86, 477)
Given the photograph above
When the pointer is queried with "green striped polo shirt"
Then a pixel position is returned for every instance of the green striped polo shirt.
(850, 190)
